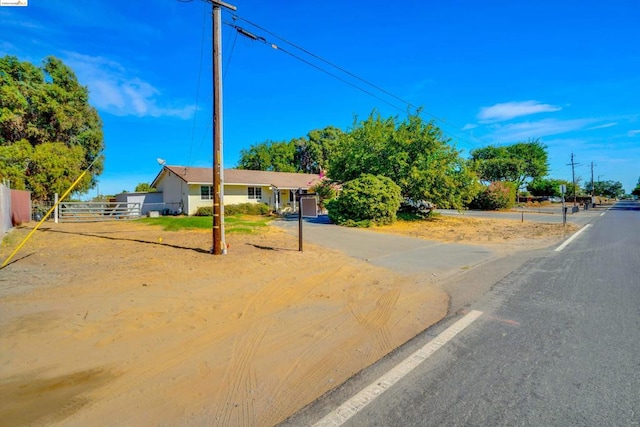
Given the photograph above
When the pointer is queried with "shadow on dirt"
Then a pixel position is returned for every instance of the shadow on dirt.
(149, 242)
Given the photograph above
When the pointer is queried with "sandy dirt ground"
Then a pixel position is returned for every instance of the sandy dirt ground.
(502, 236)
(126, 324)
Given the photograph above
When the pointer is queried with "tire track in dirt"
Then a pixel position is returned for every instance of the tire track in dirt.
(378, 318)
(175, 356)
(292, 391)
(237, 405)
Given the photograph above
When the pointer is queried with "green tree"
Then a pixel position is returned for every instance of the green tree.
(514, 163)
(269, 156)
(413, 153)
(308, 154)
(549, 187)
(144, 187)
(610, 189)
(369, 199)
(314, 151)
(636, 191)
(45, 112)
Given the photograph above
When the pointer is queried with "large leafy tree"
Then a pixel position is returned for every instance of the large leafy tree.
(413, 153)
(269, 156)
(314, 151)
(549, 187)
(308, 154)
(49, 133)
(514, 163)
(611, 189)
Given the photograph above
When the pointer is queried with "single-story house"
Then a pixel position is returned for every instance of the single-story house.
(185, 189)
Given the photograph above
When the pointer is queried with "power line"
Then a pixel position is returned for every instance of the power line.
(230, 57)
(276, 47)
(409, 104)
(254, 37)
(325, 61)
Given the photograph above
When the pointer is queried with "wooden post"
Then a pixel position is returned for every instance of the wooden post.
(219, 245)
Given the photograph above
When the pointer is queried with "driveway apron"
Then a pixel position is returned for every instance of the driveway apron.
(408, 255)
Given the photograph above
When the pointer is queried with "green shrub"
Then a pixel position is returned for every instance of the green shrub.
(204, 211)
(237, 209)
(246, 209)
(366, 200)
(498, 195)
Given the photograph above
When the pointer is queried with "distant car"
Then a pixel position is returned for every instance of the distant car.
(555, 199)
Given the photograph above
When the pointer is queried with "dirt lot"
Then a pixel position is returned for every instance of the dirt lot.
(125, 324)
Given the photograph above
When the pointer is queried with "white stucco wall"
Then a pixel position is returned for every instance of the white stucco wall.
(175, 190)
(235, 194)
(195, 200)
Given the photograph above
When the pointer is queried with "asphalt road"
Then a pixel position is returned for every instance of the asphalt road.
(557, 344)
(552, 214)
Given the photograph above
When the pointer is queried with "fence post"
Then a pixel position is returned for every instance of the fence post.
(55, 212)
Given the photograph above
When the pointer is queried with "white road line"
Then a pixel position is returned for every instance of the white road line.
(354, 405)
(570, 239)
(602, 214)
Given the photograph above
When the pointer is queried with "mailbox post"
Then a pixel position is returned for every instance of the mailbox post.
(307, 208)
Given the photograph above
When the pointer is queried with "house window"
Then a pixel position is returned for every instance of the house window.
(206, 192)
(255, 192)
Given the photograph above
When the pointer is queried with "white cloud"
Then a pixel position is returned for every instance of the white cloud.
(633, 132)
(113, 90)
(469, 126)
(510, 110)
(523, 131)
(603, 126)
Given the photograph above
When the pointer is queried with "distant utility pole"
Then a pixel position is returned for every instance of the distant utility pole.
(573, 177)
(219, 245)
(592, 188)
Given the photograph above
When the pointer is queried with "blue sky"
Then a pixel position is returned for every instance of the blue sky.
(491, 72)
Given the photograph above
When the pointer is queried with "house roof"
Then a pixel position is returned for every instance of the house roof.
(282, 180)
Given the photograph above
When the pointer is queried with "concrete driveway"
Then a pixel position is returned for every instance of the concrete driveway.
(407, 255)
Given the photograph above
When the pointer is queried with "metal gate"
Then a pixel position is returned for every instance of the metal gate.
(97, 211)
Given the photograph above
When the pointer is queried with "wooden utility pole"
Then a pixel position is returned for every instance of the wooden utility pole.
(219, 245)
(593, 191)
(573, 178)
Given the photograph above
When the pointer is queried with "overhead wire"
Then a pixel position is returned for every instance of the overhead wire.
(240, 30)
(311, 64)
(230, 57)
(237, 17)
(254, 37)
(373, 85)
